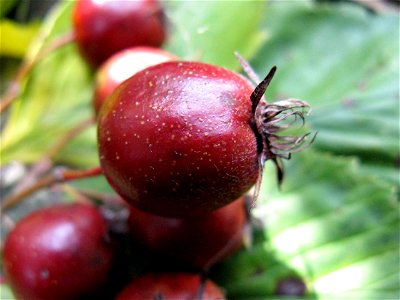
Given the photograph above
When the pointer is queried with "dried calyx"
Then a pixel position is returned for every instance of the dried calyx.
(271, 119)
(281, 115)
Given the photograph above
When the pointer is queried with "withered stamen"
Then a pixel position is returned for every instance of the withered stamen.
(276, 117)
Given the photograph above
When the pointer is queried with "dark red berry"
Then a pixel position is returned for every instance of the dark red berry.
(200, 242)
(176, 139)
(185, 138)
(59, 252)
(183, 286)
(291, 286)
(105, 27)
(123, 65)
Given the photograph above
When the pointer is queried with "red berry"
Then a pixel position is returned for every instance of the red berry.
(59, 252)
(185, 138)
(105, 27)
(123, 65)
(200, 241)
(177, 138)
(171, 286)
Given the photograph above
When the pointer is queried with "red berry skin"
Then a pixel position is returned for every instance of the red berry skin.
(176, 139)
(105, 27)
(58, 252)
(168, 286)
(123, 65)
(199, 242)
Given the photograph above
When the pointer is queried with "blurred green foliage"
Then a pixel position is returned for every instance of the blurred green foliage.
(15, 38)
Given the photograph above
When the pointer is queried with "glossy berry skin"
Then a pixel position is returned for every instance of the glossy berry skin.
(105, 27)
(176, 139)
(182, 286)
(199, 242)
(123, 65)
(59, 252)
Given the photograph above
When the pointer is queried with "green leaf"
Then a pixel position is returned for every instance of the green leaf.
(16, 38)
(330, 224)
(5, 292)
(55, 98)
(6, 6)
(98, 184)
(211, 31)
(344, 62)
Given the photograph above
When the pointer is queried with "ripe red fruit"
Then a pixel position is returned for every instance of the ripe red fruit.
(171, 286)
(59, 252)
(185, 138)
(200, 242)
(105, 27)
(177, 138)
(123, 65)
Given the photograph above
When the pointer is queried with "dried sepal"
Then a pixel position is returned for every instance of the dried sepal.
(247, 68)
(271, 120)
(260, 89)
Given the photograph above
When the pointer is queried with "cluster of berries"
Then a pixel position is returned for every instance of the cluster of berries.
(181, 143)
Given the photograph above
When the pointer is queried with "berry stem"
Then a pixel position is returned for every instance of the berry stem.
(57, 176)
(200, 292)
(222, 252)
(27, 65)
(44, 164)
(239, 234)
